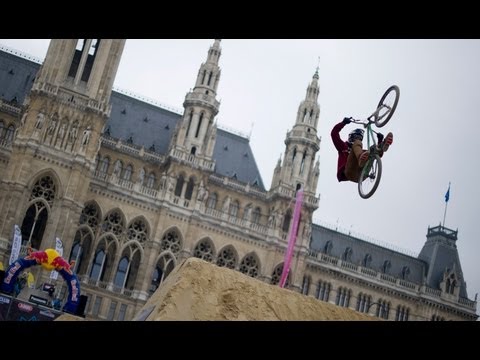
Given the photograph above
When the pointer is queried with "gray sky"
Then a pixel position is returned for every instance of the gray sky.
(263, 81)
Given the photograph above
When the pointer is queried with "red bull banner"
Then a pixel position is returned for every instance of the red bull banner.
(16, 244)
(49, 260)
(59, 249)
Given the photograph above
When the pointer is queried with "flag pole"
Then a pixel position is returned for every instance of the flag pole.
(447, 197)
(445, 213)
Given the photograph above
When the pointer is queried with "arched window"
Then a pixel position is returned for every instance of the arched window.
(210, 78)
(212, 201)
(383, 309)
(256, 215)
(386, 266)
(2, 130)
(179, 186)
(151, 181)
(323, 290)
(36, 217)
(113, 222)
(90, 216)
(327, 249)
(405, 272)
(199, 125)
(189, 190)
(347, 254)
(450, 284)
(9, 134)
(234, 206)
(304, 115)
(121, 275)
(250, 266)
(402, 313)
(190, 117)
(137, 230)
(227, 258)
(81, 250)
(127, 174)
(302, 164)
(99, 265)
(92, 53)
(204, 250)
(171, 241)
(165, 265)
(277, 274)
(286, 221)
(104, 164)
(343, 297)
(204, 75)
(306, 285)
(363, 303)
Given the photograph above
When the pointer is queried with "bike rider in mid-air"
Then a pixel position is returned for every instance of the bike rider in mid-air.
(351, 155)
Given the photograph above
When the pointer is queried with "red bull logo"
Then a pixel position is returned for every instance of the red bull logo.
(60, 263)
(41, 257)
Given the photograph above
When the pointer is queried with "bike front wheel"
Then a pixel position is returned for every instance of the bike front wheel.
(387, 105)
(370, 177)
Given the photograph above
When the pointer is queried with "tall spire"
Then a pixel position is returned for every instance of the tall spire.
(196, 135)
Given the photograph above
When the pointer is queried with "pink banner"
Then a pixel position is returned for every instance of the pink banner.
(292, 238)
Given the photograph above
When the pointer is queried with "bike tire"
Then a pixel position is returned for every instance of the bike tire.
(373, 167)
(383, 119)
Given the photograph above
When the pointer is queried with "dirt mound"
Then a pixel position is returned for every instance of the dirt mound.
(198, 290)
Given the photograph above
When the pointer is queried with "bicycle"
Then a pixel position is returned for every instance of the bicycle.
(372, 170)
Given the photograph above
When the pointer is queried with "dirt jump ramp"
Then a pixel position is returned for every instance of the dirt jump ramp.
(198, 290)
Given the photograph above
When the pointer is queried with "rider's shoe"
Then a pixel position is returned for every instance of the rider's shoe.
(387, 142)
(363, 158)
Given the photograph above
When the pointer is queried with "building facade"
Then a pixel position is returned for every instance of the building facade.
(132, 189)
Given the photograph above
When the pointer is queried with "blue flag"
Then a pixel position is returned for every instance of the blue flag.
(447, 195)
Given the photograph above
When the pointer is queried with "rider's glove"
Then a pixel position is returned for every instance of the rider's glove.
(347, 121)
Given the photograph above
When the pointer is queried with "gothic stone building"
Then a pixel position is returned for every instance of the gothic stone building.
(132, 188)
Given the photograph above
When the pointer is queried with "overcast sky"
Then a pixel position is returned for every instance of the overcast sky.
(436, 125)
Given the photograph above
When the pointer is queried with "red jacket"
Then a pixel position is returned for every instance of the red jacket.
(342, 148)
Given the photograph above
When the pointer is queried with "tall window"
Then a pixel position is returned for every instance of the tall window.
(256, 215)
(286, 221)
(76, 58)
(383, 309)
(327, 249)
(165, 265)
(343, 297)
(302, 164)
(199, 125)
(234, 206)
(306, 285)
(323, 290)
(190, 117)
(121, 312)
(122, 271)
(92, 53)
(151, 181)
(127, 174)
(363, 303)
(189, 189)
(99, 265)
(111, 311)
(81, 250)
(35, 220)
(179, 186)
(402, 313)
(212, 201)
(347, 254)
(367, 260)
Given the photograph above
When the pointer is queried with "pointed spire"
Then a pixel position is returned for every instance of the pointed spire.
(316, 71)
(214, 52)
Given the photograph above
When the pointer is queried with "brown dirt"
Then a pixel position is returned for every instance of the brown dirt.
(198, 290)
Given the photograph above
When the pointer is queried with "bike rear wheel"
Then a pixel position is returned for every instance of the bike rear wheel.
(370, 177)
(387, 105)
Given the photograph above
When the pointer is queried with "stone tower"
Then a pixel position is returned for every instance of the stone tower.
(58, 139)
(299, 168)
(196, 131)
